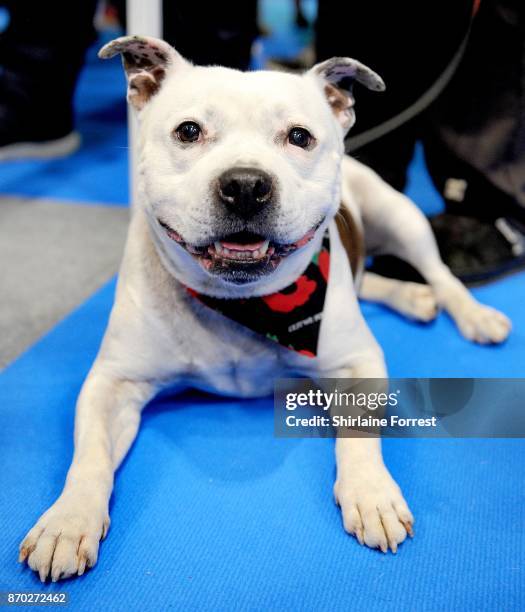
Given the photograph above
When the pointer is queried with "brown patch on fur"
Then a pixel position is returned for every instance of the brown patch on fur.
(336, 98)
(352, 239)
(158, 74)
(144, 85)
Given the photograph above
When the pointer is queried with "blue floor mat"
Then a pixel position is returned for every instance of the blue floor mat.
(211, 512)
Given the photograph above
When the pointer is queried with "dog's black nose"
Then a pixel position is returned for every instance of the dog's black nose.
(245, 191)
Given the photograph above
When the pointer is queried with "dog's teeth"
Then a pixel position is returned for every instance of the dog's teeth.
(262, 250)
(222, 251)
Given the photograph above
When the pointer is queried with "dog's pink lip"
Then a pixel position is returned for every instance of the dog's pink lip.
(175, 235)
(171, 232)
(306, 238)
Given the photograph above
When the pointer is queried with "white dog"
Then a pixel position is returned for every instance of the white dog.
(242, 176)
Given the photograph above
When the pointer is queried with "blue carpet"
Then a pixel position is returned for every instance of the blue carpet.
(211, 512)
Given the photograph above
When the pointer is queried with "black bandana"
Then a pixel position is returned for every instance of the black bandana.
(291, 317)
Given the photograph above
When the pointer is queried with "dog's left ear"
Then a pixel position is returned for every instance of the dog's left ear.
(337, 77)
(146, 61)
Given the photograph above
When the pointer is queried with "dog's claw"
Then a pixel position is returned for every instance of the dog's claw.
(43, 573)
(409, 529)
(81, 566)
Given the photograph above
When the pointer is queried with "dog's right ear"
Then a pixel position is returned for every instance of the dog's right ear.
(146, 62)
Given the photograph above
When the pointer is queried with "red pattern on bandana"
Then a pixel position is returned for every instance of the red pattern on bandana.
(324, 264)
(286, 302)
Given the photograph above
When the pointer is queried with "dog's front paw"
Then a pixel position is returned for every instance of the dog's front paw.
(65, 540)
(374, 510)
(415, 301)
(483, 324)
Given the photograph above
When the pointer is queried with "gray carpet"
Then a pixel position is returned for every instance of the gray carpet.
(53, 255)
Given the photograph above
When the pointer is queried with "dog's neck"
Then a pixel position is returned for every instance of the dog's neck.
(183, 267)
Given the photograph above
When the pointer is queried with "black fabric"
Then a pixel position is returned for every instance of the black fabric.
(478, 120)
(219, 33)
(475, 249)
(292, 317)
(473, 133)
(409, 44)
(41, 53)
(482, 198)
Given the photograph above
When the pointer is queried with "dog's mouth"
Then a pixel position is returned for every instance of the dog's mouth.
(242, 256)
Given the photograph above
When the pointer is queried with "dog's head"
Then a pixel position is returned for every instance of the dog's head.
(239, 172)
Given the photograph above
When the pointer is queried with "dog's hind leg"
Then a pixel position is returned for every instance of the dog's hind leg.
(394, 225)
(65, 540)
(413, 300)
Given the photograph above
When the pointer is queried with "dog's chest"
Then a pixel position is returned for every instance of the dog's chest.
(223, 356)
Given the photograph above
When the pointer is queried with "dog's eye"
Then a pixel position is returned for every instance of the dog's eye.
(299, 137)
(188, 131)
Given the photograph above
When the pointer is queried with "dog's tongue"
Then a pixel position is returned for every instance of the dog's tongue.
(235, 246)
